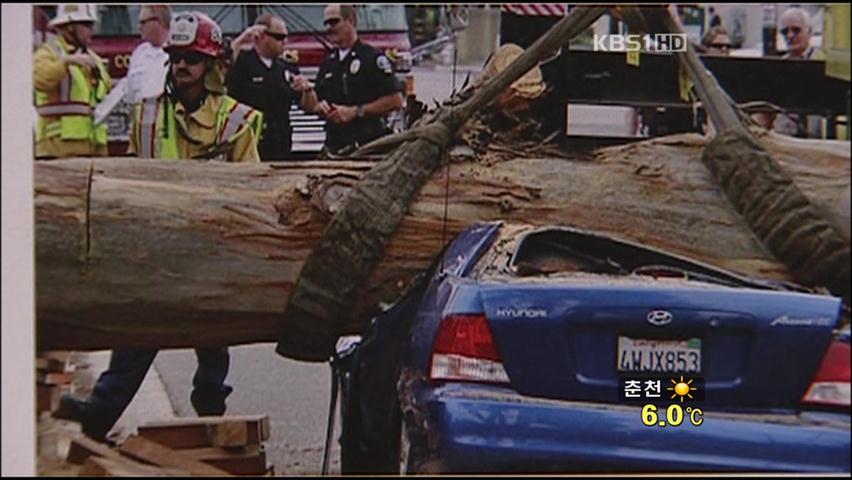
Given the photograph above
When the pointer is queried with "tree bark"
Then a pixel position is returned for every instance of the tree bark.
(151, 254)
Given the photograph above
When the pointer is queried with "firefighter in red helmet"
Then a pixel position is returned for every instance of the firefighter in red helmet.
(194, 118)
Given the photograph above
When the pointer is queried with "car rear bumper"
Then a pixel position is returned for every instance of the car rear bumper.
(481, 428)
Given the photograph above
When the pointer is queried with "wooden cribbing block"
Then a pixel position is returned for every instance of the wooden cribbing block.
(228, 434)
(208, 431)
(47, 396)
(83, 447)
(249, 460)
(43, 398)
(148, 451)
(47, 364)
(63, 355)
(124, 467)
(54, 378)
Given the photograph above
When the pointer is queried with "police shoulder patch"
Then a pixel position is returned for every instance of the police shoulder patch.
(384, 64)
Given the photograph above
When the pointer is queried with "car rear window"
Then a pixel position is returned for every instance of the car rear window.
(552, 251)
(548, 251)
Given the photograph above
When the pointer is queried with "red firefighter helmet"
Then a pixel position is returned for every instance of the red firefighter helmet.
(197, 32)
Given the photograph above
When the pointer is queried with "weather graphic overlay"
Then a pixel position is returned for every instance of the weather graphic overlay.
(682, 389)
(684, 393)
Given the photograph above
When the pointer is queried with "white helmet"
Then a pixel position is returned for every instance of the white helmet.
(74, 12)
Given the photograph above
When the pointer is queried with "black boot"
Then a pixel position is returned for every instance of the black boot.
(78, 411)
(70, 408)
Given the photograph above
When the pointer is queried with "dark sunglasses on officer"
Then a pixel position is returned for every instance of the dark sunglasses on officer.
(191, 58)
(277, 36)
(331, 22)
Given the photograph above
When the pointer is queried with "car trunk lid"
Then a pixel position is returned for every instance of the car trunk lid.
(747, 348)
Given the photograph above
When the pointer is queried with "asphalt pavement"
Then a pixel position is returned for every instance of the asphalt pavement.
(293, 394)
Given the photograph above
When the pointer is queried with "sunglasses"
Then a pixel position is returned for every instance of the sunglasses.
(191, 58)
(277, 36)
(146, 20)
(331, 22)
(786, 30)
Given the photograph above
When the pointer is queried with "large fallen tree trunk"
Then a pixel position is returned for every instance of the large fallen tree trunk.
(147, 253)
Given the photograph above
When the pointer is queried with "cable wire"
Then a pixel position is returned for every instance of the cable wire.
(447, 172)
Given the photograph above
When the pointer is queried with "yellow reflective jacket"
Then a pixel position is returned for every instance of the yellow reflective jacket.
(65, 98)
(221, 129)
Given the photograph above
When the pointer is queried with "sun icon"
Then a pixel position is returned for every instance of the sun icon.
(681, 389)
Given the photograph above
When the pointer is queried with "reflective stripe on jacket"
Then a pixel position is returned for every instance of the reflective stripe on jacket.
(157, 136)
(66, 111)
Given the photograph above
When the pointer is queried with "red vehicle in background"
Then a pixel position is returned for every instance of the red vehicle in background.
(117, 34)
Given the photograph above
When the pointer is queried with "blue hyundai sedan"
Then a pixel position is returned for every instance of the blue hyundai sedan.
(529, 349)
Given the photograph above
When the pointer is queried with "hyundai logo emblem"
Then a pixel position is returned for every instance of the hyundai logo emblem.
(659, 318)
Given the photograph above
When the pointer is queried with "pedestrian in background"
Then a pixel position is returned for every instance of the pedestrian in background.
(193, 118)
(146, 74)
(355, 87)
(716, 41)
(262, 79)
(797, 31)
(715, 19)
(70, 80)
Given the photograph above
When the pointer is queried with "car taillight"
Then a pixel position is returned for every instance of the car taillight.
(830, 386)
(464, 350)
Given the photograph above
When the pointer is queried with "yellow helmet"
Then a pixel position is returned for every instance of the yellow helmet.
(74, 12)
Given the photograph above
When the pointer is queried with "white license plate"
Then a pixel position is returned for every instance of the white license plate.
(661, 356)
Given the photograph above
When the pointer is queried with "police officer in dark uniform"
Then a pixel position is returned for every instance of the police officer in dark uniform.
(262, 79)
(355, 87)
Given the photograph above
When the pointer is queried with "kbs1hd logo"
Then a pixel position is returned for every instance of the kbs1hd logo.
(657, 42)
